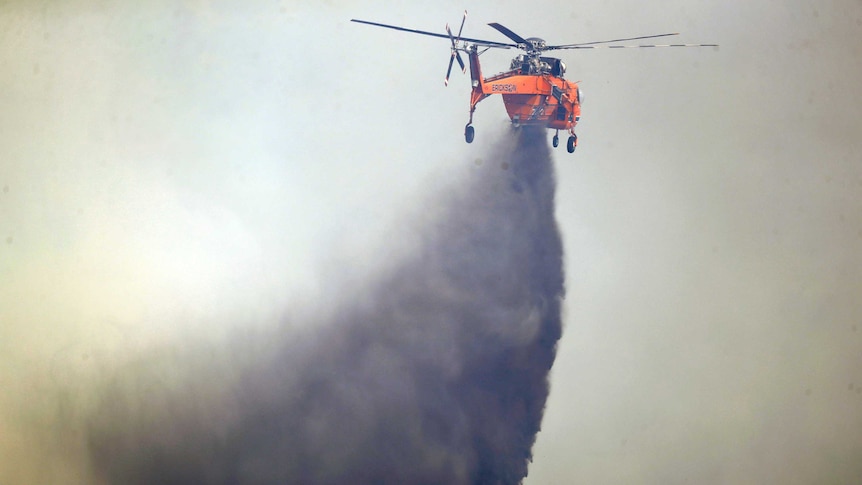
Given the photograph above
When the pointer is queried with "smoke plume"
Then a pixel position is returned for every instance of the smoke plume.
(435, 372)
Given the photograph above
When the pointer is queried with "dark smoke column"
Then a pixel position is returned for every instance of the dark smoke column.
(435, 373)
(513, 321)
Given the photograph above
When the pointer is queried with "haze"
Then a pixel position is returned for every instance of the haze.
(173, 174)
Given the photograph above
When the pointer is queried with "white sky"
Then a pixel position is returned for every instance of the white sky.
(167, 170)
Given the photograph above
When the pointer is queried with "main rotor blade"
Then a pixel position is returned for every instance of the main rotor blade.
(488, 43)
(508, 33)
(569, 46)
(631, 46)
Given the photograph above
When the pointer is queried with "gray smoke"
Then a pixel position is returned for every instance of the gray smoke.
(436, 372)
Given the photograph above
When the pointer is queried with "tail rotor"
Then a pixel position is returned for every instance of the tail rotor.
(455, 48)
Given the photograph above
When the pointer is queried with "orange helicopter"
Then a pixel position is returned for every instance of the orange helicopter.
(534, 89)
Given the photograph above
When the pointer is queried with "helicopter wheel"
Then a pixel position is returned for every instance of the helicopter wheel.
(469, 133)
(570, 146)
(555, 141)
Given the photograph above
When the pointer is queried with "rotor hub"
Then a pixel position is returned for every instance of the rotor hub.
(535, 45)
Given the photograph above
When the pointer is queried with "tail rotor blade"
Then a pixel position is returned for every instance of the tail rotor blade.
(464, 18)
(455, 54)
(451, 37)
(449, 71)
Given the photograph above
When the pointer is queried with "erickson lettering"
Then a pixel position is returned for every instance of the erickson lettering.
(507, 88)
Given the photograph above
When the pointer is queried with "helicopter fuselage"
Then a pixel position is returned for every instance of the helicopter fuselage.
(534, 92)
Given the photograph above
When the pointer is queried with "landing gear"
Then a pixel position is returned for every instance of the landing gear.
(572, 143)
(469, 133)
(556, 139)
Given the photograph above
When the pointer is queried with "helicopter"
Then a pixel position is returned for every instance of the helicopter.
(534, 89)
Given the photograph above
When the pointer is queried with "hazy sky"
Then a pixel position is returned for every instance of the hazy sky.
(171, 170)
